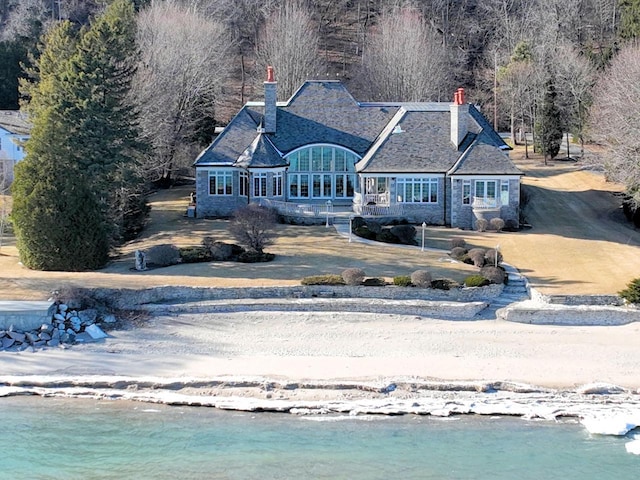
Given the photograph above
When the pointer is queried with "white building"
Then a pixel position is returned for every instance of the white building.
(14, 130)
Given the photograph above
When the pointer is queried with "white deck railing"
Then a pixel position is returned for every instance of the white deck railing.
(480, 203)
(298, 209)
(377, 198)
(396, 210)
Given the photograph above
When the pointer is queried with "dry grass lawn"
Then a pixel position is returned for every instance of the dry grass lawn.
(579, 243)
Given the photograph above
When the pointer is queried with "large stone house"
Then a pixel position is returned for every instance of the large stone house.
(322, 152)
(14, 131)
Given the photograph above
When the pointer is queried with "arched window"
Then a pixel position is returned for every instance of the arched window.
(322, 172)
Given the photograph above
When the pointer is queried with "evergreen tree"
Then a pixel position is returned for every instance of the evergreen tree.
(72, 189)
(548, 123)
(629, 19)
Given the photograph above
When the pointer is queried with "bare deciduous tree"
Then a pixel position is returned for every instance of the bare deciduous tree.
(289, 42)
(253, 226)
(575, 77)
(404, 58)
(614, 119)
(5, 165)
(183, 68)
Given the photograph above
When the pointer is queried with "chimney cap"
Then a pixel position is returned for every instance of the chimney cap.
(458, 97)
(270, 74)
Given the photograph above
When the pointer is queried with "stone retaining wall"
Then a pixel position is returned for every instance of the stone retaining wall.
(128, 298)
(422, 308)
(576, 300)
(576, 315)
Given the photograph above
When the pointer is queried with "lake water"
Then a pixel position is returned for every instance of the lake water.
(52, 438)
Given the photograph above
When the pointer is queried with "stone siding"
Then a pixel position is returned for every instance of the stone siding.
(216, 205)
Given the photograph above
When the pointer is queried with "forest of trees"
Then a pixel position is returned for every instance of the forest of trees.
(178, 68)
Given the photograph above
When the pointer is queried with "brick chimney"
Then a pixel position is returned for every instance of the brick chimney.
(459, 118)
(270, 98)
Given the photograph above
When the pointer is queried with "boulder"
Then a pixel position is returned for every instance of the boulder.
(84, 337)
(45, 336)
(17, 336)
(109, 318)
(31, 337)
(54, 342)
(7, 342)
(62, 308)
(95, 332)
(88, 316)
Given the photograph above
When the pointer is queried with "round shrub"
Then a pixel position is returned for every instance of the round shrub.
(458, 253)
(458, 242)
(493, 274)
(402, 281)
(374, 282)
(477, 256)
(387, 237)
(490, 257)
(405, 233)
(632, 293)
(496, 224)
(475, 281)
(421, 278)
(481, 225)
(353, 276)
(162, 255)
(444, 284)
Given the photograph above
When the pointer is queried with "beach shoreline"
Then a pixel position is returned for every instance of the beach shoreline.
(346, 363)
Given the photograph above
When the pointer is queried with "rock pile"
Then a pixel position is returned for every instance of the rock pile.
(67, 327)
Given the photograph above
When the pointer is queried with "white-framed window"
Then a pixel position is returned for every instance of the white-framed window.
(504, 192)
(485, 191)
(244, 184)
(277, 184)
(259, 184)
(466, 192)
(220, 183)
(417, 189)
(322, 171)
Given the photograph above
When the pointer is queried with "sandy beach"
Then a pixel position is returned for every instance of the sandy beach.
(290, 361)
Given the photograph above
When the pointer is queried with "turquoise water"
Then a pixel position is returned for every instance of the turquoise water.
(48, 438)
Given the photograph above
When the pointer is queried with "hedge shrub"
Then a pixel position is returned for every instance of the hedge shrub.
(364, 232)
(405, 233)
(402, 281)
(251, 256)
(475, 281)
(374, 282)
(195, 254)
(421, 278)
(444, 284)
(329, 279)
(353, 276)
(386, 236)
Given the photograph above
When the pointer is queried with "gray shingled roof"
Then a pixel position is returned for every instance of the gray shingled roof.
(15, 121)
(260, 154)
(483, 158)
(233, 141)
(392, 137)
(421, 143)
(325, 112)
